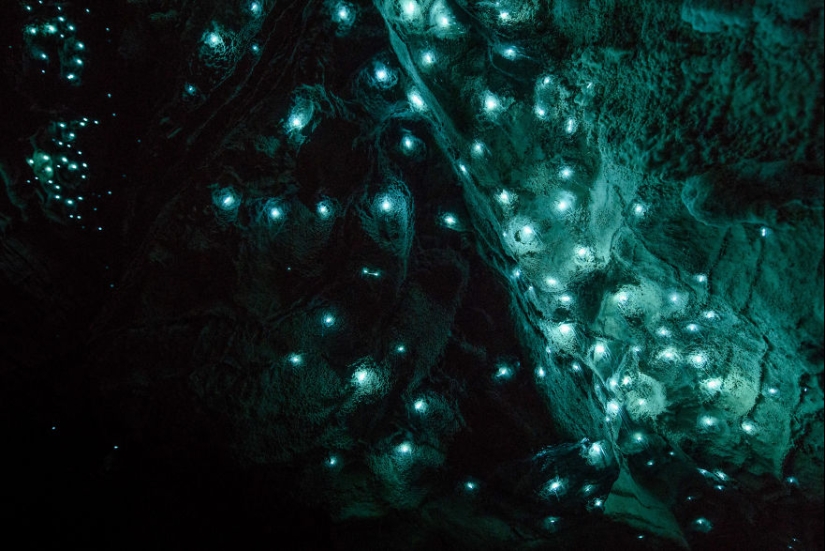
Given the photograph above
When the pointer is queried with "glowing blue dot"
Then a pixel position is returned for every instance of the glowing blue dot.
(324, 210)
(410, 8)
(416, 100)
(381, 73)
(491, 102)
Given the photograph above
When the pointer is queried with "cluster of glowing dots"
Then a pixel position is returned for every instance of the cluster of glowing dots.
(42, 36)
(62, 172)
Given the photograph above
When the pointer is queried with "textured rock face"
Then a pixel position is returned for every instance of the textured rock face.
(495, 276)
